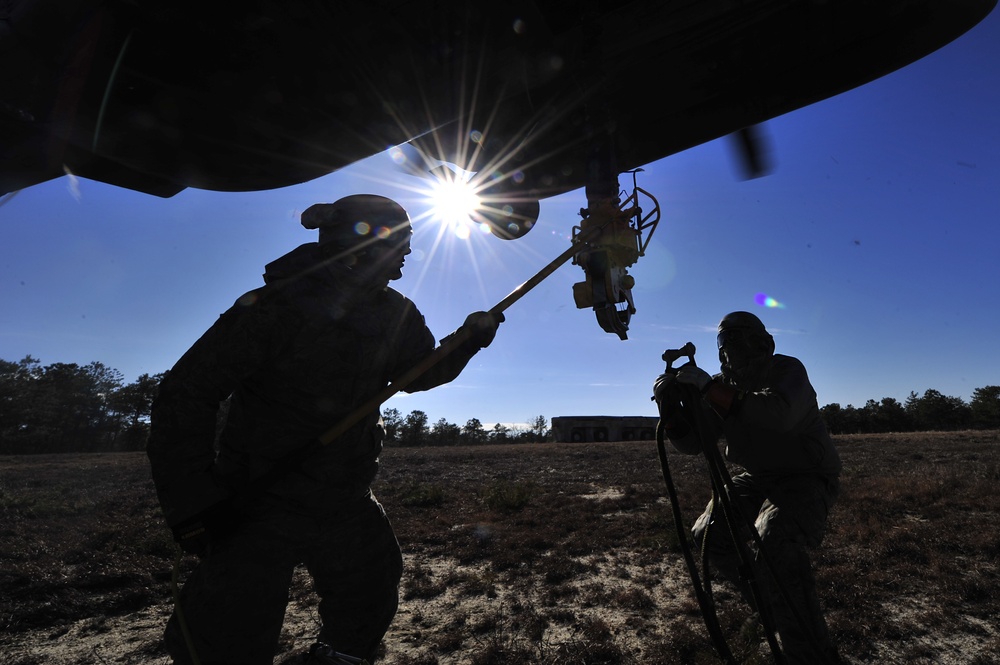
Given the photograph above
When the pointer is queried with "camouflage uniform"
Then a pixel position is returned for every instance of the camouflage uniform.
(775, 432)
(295, 356)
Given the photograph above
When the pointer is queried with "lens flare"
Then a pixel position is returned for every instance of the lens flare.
(767, 301)
(454, 203)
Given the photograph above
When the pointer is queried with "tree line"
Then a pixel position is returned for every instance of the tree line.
(414, 430)
(931, 411)
(65, 407)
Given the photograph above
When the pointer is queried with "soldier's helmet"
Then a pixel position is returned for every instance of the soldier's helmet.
(742, 337)
(358, 221)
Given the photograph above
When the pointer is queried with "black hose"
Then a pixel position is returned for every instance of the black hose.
(705, 602)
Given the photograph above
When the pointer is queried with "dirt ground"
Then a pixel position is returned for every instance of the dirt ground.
(547, 553)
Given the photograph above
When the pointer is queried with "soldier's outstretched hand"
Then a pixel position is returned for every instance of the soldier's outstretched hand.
(482, 327)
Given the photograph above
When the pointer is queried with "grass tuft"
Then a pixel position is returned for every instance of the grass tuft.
(504, 496)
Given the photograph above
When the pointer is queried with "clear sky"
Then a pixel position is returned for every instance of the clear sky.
(878, 234)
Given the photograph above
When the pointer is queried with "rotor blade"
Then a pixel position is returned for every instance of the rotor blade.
(753, 151)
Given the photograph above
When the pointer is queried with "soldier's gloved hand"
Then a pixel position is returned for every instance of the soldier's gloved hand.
(661, 384)
(196, 533)
(482, 327)
(693, 376)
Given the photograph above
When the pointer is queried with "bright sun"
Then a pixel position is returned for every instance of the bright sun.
(454, 203)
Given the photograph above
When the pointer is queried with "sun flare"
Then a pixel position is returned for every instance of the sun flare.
(454, 204)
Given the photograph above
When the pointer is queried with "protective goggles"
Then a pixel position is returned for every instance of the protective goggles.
(732, 337)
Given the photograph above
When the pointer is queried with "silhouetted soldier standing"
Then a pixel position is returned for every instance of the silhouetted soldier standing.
(296, 356)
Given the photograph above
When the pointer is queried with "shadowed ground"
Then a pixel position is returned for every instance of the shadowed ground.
(540, 553)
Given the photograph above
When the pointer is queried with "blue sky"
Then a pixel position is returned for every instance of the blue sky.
(878, 233)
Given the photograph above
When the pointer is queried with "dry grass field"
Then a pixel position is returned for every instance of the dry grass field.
(547, 553)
